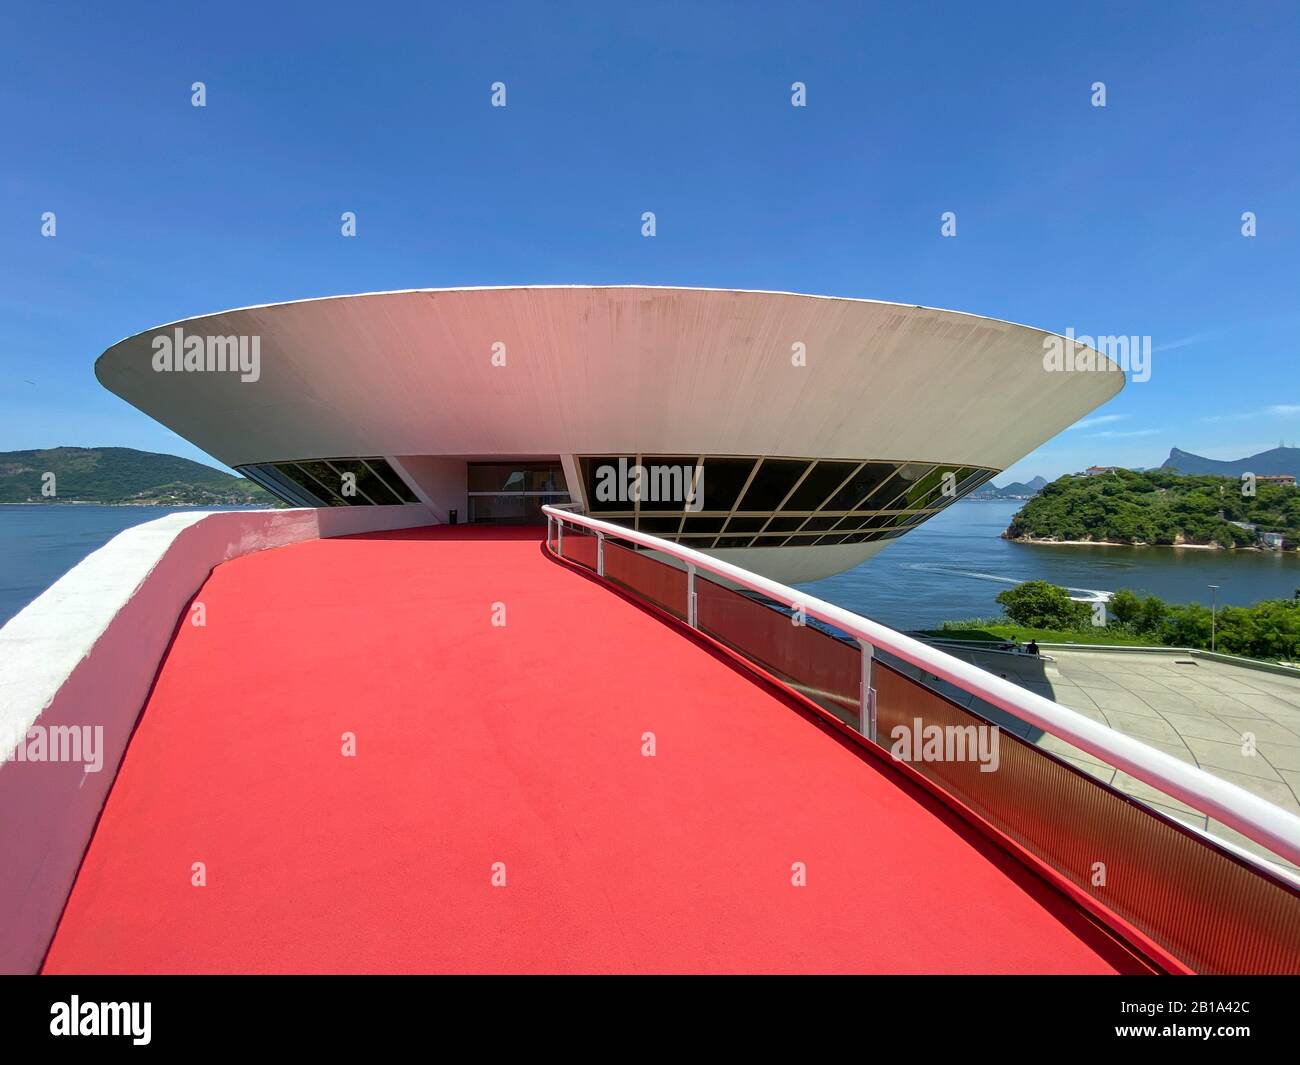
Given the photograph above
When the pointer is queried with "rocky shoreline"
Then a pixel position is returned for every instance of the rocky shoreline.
(1180, 543)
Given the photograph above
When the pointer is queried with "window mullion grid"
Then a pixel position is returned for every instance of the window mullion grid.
(741, 495)
(326, 492)
(360, 492)
(382, 480)
(890, 506)
(831, 496)
(777, 509)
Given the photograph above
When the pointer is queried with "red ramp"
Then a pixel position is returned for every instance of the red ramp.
(519, 744)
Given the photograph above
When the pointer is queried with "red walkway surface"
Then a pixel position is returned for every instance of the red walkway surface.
(519, 744)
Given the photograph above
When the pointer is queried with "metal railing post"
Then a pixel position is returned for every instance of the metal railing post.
(692, 610)
(550, 531)
(559, 537)
(867, 694)
(600, 554)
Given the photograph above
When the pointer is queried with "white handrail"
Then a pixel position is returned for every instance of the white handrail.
(1252, 816)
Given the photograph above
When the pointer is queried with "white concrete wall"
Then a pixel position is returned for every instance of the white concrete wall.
(442, 483)
(85, 653)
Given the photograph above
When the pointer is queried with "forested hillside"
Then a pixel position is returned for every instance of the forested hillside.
(1158, 507)
(120, 475)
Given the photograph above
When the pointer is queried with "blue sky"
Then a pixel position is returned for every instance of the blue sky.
(1116, 220)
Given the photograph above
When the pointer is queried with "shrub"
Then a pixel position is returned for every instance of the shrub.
(1040, 605)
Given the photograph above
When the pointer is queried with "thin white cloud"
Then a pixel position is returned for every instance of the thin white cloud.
(1184, 342)
(1114, 434)
(1275, 411)
(1102, 419)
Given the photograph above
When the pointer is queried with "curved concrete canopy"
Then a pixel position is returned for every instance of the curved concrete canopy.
(562, 371)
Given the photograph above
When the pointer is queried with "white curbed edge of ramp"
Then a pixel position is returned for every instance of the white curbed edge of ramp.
(83, 656)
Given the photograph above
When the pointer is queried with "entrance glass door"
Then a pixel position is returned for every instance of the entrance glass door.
(513, 493)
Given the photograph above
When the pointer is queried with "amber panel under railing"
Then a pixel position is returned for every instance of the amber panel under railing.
(661, 584)
(818, 666)
(578, 547)
(1200, 903)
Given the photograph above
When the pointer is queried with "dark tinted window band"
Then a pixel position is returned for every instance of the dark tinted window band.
(359, 482)
(748, 501)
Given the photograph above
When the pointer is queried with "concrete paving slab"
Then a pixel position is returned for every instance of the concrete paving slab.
(1281, 758)
(1266, 702)
(1292, 778)
(1168, 700)
(1144, 682)
(1228, 757)
(1269, 731)
(1124, 701)
(1143, 726)
(1205, 728)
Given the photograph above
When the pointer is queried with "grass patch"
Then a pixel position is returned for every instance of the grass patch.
(986, 632)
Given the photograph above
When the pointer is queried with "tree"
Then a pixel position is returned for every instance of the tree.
(1186, 626)
(1152, 615)
(1125, 607)
(1040, 605)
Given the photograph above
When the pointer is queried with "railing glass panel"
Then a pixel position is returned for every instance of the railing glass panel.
(818, 666)
(578, 546)
(663, 585)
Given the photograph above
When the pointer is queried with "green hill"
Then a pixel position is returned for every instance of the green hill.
(1158, 507)
(121, 475)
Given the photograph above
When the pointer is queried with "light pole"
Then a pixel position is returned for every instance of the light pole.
(1214, 612)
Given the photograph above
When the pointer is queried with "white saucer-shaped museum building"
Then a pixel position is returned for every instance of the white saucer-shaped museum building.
(812, 429)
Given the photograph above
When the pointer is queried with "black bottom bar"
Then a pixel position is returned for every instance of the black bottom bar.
(929, 1015)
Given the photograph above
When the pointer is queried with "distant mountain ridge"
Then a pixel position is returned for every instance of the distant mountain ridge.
(1269, 463)
(1024, 488)
(1014, 490)
(121, 475)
